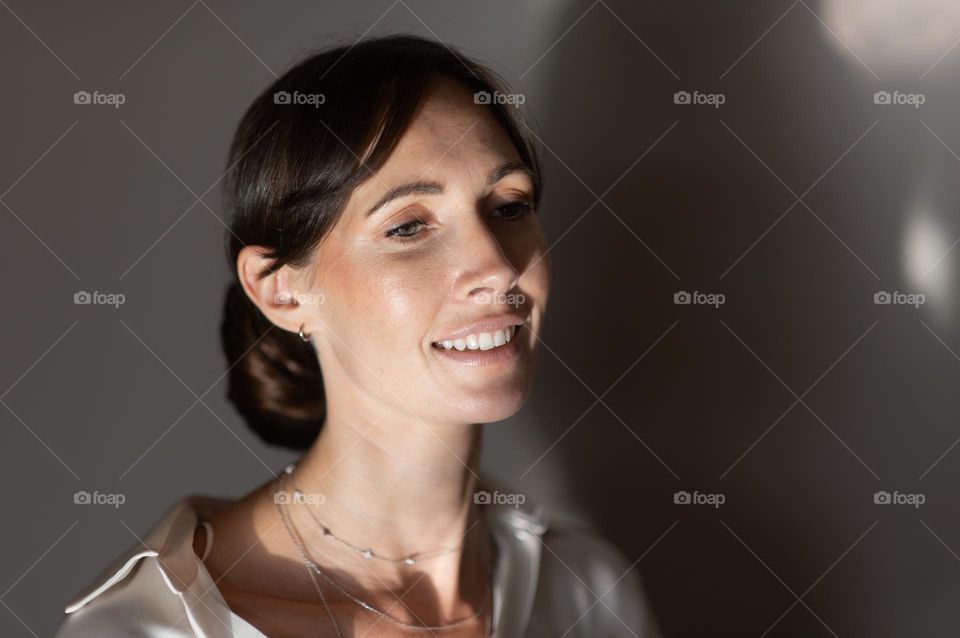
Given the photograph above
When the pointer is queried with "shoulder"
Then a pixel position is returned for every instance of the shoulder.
(579, 583)
(152, 588)
(128, 603)
(590, 586)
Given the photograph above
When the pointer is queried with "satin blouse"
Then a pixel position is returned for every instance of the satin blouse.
(551, 579)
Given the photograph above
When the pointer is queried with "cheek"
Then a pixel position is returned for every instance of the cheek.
(391, 305)
(405, 301)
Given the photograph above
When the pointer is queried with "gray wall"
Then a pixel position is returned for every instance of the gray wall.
(797, 399)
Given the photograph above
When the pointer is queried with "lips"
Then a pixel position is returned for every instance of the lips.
(489, 325)
(495, 356)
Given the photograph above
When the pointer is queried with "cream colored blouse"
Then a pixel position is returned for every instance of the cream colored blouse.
(550, 580)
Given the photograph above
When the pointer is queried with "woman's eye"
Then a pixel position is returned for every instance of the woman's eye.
(513, 210)
(406, 231)
(411, 230)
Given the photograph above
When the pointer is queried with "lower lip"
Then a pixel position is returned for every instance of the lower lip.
(506, 352)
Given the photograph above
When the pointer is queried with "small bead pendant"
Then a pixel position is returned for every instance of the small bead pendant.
(409, 561)
(367, 553)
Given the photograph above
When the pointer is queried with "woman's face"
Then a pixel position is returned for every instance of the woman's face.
(460, 257)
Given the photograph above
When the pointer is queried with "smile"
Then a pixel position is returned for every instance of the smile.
(479, 341)
(484, 348)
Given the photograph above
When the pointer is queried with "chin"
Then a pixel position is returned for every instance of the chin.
(490, 408)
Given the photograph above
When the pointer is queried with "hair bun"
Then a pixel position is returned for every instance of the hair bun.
(274, 378)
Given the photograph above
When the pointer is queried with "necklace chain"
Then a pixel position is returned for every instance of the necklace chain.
(366, 552)
(306, 561)
(313, 567)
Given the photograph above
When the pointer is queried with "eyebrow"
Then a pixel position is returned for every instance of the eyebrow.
(435, 188)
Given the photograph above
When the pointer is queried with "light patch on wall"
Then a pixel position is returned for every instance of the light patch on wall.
(893, 36)
(927, 258)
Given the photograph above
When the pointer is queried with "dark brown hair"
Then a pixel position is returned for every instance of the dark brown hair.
(294, 160)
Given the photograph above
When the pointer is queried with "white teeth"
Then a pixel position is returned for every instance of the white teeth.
(481, 341)
(486, 341)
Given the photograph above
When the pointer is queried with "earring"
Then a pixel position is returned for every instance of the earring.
(303, 337)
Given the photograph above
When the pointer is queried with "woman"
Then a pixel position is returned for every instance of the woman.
(392, 278)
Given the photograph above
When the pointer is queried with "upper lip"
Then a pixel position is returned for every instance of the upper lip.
(489, 324)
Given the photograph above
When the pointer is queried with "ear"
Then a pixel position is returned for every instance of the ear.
(276, 295)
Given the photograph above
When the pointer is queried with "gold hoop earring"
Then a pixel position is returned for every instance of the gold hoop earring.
(303, 337)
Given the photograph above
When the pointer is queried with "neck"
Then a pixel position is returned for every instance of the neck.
(401, 487)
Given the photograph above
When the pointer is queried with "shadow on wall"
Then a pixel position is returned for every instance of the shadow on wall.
(797, 199)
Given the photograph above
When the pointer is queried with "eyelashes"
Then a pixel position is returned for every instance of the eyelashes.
(510, 212)
(519, 208)
(403, 232)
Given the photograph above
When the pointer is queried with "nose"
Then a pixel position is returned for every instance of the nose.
(486, 274)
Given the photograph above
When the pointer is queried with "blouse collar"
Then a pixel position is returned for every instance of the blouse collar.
(517, 530)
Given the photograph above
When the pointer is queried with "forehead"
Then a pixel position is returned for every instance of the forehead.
(449, 135)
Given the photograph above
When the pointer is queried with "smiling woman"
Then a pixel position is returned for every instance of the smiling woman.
(391, 283)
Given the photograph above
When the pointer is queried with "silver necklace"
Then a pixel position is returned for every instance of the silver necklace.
(316, 585)
(366, 552)
(312, 568)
